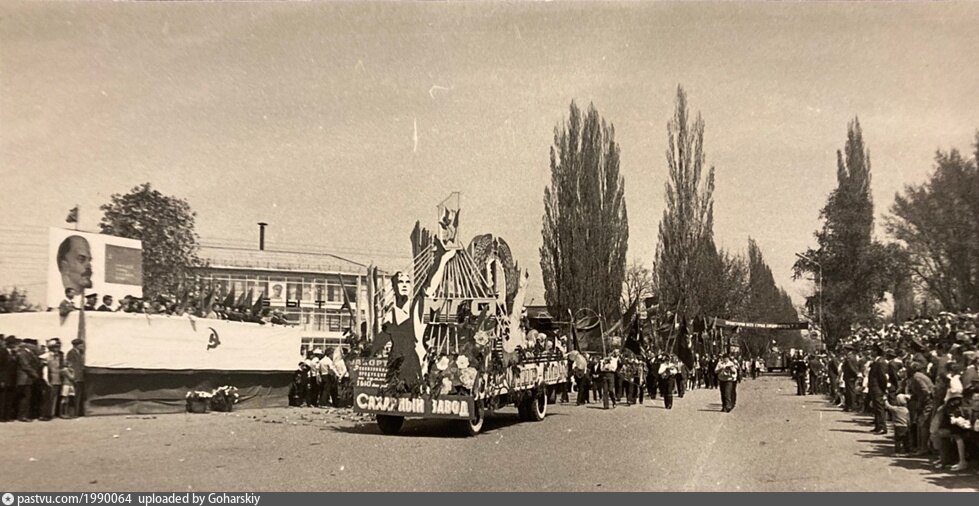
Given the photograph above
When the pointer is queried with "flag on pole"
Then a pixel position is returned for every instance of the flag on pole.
(246, 300)
(229, 300)
(685, 348)
(259, 304)
(346, 298)
(208, 302)
(371, 306)
(72, 215)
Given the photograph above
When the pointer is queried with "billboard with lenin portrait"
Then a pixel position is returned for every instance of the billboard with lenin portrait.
(93, 263)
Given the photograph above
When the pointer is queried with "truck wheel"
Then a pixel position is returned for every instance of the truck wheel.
(474, 425)
(537, 407)
(390, 424)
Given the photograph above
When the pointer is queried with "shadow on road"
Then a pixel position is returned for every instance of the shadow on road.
(436, 429)
(882, 447)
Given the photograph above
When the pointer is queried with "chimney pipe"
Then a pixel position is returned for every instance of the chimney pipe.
(261, 235)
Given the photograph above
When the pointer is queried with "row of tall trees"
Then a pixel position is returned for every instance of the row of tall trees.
(585, 231)
(766, 302)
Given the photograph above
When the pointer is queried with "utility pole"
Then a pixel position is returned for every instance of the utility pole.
(822, 329)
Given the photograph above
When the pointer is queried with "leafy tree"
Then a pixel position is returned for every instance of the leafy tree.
(166, 226)
(638, 283)
(692, 276)
(855, 268)
(16, 301)
(939, 223)
(767, 303)
(586, 227)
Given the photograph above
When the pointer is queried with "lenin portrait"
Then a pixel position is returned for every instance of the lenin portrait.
(75, 263)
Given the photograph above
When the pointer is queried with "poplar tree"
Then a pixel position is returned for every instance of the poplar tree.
(585, 225)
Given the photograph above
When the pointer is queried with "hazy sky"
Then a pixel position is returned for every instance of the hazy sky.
(306, 115)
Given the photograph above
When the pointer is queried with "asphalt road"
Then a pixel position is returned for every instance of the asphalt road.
(772, 441)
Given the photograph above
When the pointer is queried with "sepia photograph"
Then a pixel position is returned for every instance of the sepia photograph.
(493, 246)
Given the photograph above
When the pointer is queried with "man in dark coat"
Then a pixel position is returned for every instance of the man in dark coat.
(75, 359)
(851, 371)
(877, 389)
(28, 373)
(922, 405)
(8, 377)
(799, 371)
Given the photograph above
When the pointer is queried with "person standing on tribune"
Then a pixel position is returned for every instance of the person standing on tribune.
(727, 373)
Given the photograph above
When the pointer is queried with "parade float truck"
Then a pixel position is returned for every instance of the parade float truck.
(475, 355)
(525, 385)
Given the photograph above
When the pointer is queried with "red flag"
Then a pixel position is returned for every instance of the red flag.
(72, 215)
(346, 298)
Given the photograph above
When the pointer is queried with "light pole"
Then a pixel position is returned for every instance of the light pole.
(820, 266)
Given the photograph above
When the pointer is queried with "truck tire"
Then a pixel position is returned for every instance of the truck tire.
(474, 425)
(390, 424)
(536, 407)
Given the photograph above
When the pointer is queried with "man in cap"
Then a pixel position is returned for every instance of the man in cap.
(921, 406)
(55, 362)
(75, 359)
(91, 300)
(28, 372)
(800, 370)
(851, 371)
(877, 389)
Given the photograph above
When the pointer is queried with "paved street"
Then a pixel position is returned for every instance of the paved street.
(773, 441)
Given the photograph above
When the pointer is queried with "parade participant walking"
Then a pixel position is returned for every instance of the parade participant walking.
(799, 372)
(667, 373)
(582, 377)
(727, 374)
(681, 378)
(609, 366)
(712, 372)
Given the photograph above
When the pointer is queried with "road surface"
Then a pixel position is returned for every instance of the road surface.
(773, 441)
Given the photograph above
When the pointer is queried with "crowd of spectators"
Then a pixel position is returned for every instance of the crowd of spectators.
(921, 376)
(40, 382)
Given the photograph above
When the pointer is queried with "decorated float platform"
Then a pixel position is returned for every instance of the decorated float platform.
(146, 364)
